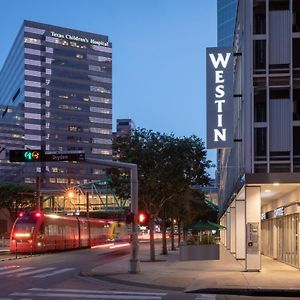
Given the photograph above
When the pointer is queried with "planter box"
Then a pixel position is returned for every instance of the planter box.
(199, 252)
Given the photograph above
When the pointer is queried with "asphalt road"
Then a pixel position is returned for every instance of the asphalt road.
(64, 275)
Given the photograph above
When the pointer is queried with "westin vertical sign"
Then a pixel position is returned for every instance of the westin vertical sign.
(219, 97)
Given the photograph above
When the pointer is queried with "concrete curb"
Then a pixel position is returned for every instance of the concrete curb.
(134, 283)
(262, 292)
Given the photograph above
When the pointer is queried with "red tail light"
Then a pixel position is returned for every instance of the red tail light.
(21, 214)
(38, 214)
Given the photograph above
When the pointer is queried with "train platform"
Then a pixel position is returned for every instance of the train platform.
(224, 276)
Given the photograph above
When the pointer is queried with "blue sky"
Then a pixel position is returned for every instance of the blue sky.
(158, 53)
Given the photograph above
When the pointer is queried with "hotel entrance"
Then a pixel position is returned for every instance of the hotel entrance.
(280, 239)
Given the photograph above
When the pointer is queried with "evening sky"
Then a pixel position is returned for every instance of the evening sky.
(158, 53)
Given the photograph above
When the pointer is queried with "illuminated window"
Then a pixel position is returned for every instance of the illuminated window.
(100, 130)
(62, 180)
(100, 120)
(32, 116)
(32, 51)
(63, 96)
(102, 141)
(34, 30)
(32, 62)
(72, 128)
(101, 151)
(100, 100)
(100, 110)
(33, 83)
(99, 89)
(32, 41)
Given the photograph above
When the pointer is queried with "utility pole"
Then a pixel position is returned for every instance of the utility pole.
(38, 192)
(134, 263)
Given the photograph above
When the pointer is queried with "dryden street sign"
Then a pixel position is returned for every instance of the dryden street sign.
(39, 155)
(219, 97)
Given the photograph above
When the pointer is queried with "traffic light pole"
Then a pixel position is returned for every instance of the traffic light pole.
(38, 192)
(134, 263)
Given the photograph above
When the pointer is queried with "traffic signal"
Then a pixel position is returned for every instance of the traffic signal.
(25, 155)
(143, 218)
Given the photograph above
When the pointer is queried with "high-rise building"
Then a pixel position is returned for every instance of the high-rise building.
(124, 126)
(56, 95)
(226, 21)
(259, 177)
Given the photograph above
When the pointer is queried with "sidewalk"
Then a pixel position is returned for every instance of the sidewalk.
(226, 276)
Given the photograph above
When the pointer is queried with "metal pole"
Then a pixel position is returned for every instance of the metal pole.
(134, 263)
(88, 215)
(38, 193)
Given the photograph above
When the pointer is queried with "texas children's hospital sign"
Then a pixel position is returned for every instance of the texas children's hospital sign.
(219, 97)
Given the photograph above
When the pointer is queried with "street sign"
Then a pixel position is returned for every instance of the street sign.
(39, 155)
(65, 157)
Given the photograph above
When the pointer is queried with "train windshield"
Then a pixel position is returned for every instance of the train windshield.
(24, 227)
(23, 230)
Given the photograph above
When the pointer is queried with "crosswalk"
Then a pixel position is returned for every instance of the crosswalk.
(18, 271)
(40, 293)
(205, 297)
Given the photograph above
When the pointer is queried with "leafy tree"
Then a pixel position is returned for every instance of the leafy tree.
(167, 167)
(16, 197)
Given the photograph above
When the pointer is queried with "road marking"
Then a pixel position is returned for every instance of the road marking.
(89, 294)
(53, 273)
(34, 272)
(205, 297)
(95, 291)
(16, 270)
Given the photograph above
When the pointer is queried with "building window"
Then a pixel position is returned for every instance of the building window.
(296, 139)
(260, 143)
(296, 104)
(260, 107)
(259, 56)
(260, 168)
(279, 5)
(280, 168)
(259, 17)
(296, 16)
(32, 41)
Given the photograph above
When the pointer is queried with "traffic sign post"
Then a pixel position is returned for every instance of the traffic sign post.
(39, 155)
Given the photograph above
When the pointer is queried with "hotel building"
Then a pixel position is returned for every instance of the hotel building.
(56, 95)
(259, 177)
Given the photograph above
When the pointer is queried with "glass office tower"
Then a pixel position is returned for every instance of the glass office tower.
(226, 21)
(56, 95)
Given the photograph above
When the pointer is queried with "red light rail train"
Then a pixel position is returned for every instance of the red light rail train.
(37, 232)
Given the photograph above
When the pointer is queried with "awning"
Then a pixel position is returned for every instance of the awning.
(204, 226)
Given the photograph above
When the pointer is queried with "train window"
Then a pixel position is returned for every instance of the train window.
(42, 229)
(24, 227)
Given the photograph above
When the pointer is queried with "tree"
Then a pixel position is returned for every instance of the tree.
(16, 197)
(167, 167)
